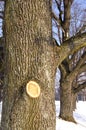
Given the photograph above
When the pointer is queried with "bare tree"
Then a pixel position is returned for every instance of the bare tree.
(30, 63)
(69, 67)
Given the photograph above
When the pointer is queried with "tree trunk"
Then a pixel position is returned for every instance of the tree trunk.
(74, 101)
(29, 57)
(66, 111)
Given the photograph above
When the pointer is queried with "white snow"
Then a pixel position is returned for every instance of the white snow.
(79, 115)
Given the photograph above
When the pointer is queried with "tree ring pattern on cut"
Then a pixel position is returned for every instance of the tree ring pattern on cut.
(33, 89)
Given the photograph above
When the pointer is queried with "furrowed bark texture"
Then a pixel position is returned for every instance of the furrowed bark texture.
(66, 102)
(66, 110)
(29, 56)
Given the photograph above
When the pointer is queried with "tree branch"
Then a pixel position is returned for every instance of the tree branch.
(63, 71)
(75, 71)
(55, 17)
(57, 20)
(70, 46)
(79, 88)
(82, 69)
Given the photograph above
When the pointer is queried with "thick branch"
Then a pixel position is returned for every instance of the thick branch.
(75, 72)
(82, 69)
(79, 88)
(70, 46)
(66, 21)
(63, 70)
(77, 42)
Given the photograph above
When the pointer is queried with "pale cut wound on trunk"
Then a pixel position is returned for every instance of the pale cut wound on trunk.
(33, 89)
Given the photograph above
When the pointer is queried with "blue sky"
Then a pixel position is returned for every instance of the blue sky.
(79, 6)
(1, 9)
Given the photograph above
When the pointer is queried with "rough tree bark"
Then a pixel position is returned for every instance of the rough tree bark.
(67, 96)
(68, 93)
(29, 57)
(66, 111)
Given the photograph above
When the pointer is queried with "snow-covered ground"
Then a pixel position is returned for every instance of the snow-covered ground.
(79, 115)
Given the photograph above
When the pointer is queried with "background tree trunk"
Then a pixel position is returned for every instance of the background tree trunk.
(66, 101)
(29, 56)
(66, 108)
